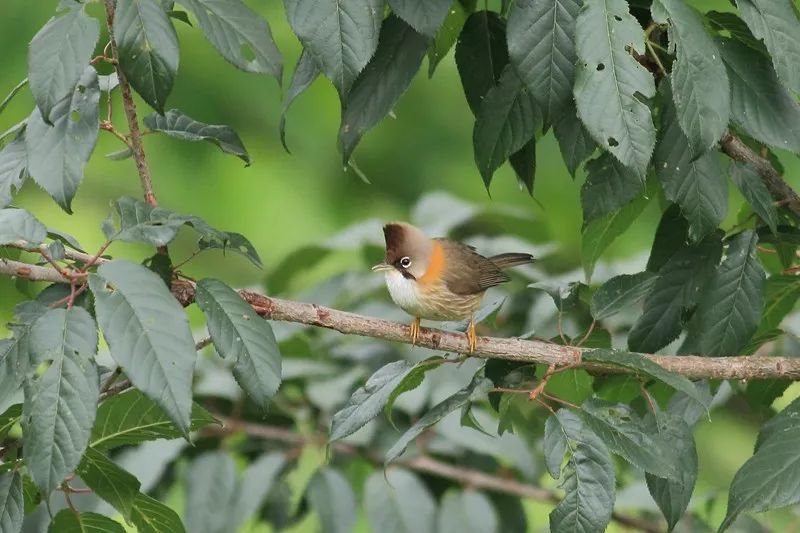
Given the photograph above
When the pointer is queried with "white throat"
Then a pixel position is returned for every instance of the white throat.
(403, 291)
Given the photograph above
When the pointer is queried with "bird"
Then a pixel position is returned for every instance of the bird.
(438, 278)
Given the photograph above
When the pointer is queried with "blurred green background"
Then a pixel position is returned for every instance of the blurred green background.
(283, 201)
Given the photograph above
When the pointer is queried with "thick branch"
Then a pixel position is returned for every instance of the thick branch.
(31, 272)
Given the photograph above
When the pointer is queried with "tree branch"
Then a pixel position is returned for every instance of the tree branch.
(9, 267)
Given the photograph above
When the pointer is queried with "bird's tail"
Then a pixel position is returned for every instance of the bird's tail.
(511, 260)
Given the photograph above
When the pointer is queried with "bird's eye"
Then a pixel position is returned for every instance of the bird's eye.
(405, 262)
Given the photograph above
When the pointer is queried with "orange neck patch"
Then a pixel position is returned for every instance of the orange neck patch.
(435, 266)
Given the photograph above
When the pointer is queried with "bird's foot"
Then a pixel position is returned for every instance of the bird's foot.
(414, 327)
(472, 337)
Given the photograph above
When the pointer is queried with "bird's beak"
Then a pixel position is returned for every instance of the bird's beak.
(382, 267)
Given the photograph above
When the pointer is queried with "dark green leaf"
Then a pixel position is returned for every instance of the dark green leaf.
(11, 502)
(696, 184)
(755, 192)
(148, 335)
(507, 119)
(13, 168)
(575, 143)
(381, 84)
(242, 338)
(367, 401)
(425, 16)
(58, 153)
(446, 36)
(565, 296)
(759, 103)
(257, 482)
(60, 405)
(701, 93)
(230, 240)
(764, 392)
(152, 516)
(10, 96)
(776, 23)
(398, 502)
(148, 49)
(782, 292)
(555, 446)
(589, 480)
(524, 164)
(410, 381)
(9, 419)
(481, 55)
(329, 493)
(609, 186)
(436, 413)
(610, 84)
(175, 124)
(303, 76)
(541, 47)
(210, 489)
(672, 234)
(676, 289)
(729, 306)
(729, 22)
(109, 481)
(183, 16)
(466, 511)
(621, 292)
(20, 225)
(72, 521)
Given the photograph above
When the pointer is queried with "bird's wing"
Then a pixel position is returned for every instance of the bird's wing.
(473, 274)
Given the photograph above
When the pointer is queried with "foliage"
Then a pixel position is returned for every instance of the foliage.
(649, 97)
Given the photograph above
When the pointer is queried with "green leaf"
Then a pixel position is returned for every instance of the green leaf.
(132, 418)
(13, 168)
(621, 292)
(148, 49)
(609, 186)
(523, 162)
(71, 521)
(425, 16)
(242, 338)
(696, 184)
(9, 419)
(609, 82)
(506, 121)
(229, 240)
(310, 460)
(672, 234)
(541, 48)
(759, 103)
(19, 224)
(152, 516)
(340, 36)
(367, 401)
(466, 511)
(10, 96)
(210, 488)
(676, 289)
(176, 124)
(58, 55)
(600, 233)
(736, 27)
(381, 84)
(481, 55)
(554, 445)
(446, 36)
(588, 480)
(141, 222)
(565, 296)
(729, 306)
(148, 334)
(643, 365)
(755, 192)
(17, 360)
(410, 381)
(58, 153)
(256, 483)
(575, 143)
(398, 501)
(776, 23)
(60, 405)
(11, 502)
(701, 93)
(329, 493)
(436, 413)
(626, 435)
(303, 76)
(109, 481)
(782, 292)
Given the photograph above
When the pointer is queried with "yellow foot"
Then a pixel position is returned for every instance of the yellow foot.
(414, 330)
(472, 338)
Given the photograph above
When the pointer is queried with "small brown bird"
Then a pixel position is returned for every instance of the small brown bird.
(439, 279)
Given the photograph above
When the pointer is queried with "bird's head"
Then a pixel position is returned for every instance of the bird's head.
(408, 250)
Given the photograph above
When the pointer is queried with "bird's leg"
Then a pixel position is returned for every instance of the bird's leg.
(472, 338)
(414, 326)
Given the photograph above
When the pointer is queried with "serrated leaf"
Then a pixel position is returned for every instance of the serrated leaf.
(554, 446)
(467, 511)
(398, 501)
(410, 381)
(148, 49)
(58, 55)
(626, 435)
(133, 418)
(446, 36)
(210, 488)
(676, 289)
(425, 16)
(609, 82)
(381, 84)
(242, 338)
(781, 294)
(481, 55)
(736, 27)
(701, 92)
(436, 413)
(141, 222)
(776, 23)
(305, 72)
(329, 493)
(759, 103)
(574, 142)
(507, 119)
(541, 48)
(755, 192)
(672, 234)
(609, 186)
(11, 502)
(367, 401)
(523, 161)
(148, 335)
(57, 154)
(19, 224)
(109, 481)
(17, 360)
(229, 240)
(621, 292)
(695, 182)
(730, 304)
(565, 296)
(60, 404)
(151, 516)
(589, 480)
(72, 521)
(256, 483)
(176, 124)
(13, 168)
